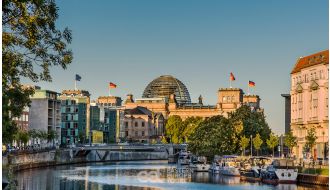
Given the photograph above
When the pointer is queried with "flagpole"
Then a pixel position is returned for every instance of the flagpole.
(75, 84)
(230, 83)
(249, 90)
(109, 92)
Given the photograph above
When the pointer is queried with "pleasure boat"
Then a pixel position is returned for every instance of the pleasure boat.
(280, 171)
(229, 166)
(251, 170)
(184, 159)
(215, 167)
(199, 164)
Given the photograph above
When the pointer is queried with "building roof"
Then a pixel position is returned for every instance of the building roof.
(166, 85)
(139, 111)
(310, 60)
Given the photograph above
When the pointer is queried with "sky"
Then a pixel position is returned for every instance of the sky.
(130, 43)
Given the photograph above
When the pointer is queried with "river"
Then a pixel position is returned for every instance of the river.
(137, 175)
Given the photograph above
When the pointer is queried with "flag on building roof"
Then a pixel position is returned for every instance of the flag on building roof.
(78, 77)
(251, 83)
(112, 85)
(232, 77)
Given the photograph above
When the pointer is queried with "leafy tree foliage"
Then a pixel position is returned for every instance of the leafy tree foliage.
(163, 140)
(31, 44)
(244, 142)
(253, 122)
(257, 142)
(214, 136)
(190, 125)
(272, 142)
(22, 138)
(219, 135)
(290, 141)
(174, 129)
(310, 139)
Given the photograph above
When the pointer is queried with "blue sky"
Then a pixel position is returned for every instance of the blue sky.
(132, 42)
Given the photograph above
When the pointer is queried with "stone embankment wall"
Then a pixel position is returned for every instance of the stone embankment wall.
(60, 157)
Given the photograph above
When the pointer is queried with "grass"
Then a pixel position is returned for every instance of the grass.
(318, 171)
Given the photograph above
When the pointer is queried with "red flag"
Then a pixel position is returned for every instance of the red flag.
(232, 77)
(251, 83)
(112, 85)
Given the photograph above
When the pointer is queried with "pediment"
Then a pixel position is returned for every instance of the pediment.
(299, 88)
(313, 85)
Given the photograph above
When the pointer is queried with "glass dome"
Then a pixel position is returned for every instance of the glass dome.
(164, 86)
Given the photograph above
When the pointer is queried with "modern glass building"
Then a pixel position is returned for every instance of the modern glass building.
(75, 116)
(164, 86)
(103, 120)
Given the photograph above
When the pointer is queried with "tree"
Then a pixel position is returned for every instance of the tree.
(290, 141)
(250, 123)
(310, 139)
(51, 136)
(174, 129)
(21, 137)
(163, 140)
(214, 136)
(31, 44)
(244, 142)
(257, 142)
(272, 141)
(190, 125)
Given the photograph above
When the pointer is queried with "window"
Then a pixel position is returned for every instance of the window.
(126, 133)
(126, 124)
(142, 133)
(142, 124)
(224, 99)
(136, 124)
(136, 133)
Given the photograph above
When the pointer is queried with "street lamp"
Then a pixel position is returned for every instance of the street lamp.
(251, 145)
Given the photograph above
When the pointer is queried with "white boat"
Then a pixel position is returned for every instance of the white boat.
(199, 164)
(183, 159)
(215, 167)
(230, 166)
(251, 170)
(280, 171)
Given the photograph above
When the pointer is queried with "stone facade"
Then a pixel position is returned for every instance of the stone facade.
(309, 102)
(141, 125)
(229, 99)
(44, 112)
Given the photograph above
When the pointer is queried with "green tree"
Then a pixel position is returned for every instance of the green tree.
(310, 139)
(22, 138)
(244, 142)
(51, 136)
(174, 129)
(290, 141)
(272, 142)
(31, 44)
(214, 136)
(163, 140)
(190, 125)
(250, 123)
(257, 142)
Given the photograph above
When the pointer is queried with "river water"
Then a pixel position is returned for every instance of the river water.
(137, 175)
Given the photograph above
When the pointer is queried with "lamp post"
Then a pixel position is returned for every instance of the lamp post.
(251, 145)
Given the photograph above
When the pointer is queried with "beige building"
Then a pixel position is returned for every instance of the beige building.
(141, 125)
(309, 102)
(229, 99)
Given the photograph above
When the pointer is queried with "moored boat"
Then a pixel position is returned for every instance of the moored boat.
(280, 171)
(251, 170)
(199, 164)
(229, 166)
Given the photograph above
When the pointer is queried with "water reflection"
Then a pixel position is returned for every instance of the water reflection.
(135, 176)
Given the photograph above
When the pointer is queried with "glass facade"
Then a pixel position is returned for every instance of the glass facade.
(164, 86)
